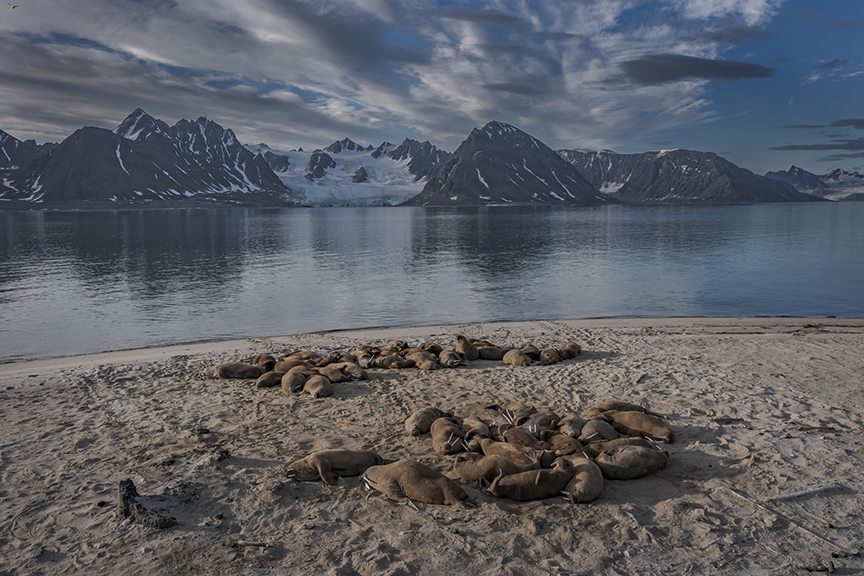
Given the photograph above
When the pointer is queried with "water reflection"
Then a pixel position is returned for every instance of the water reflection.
(80, 282)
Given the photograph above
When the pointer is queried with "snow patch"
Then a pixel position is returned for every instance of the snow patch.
(119, 159)
(482, 181)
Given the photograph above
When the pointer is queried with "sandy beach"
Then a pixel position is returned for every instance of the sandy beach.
(763, 409)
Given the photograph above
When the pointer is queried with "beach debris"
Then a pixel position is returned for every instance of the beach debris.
(794, 495)
(129, 507)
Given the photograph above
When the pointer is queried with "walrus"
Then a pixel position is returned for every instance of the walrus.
(586, 484)
(447, 436)
(549, 356)
(293, 382)
(628, 462)
(232, 370)
(491, 352)
(421, 420)
(391, 361)
(332, 373)
(634, 423)
(365, 360)
(571, 425)
(432, 347)
(423, 360)
(471, 467)
(266, 361)
(595, 448)
(318, 387)
(518, 454)
(598, 429)
(475, 428)
(306, 355)
(450, 358)
(466, 348)
(336, 358)
(290, 362)
(532, 352)
(534, 484)
(412, 480)
(539, 422)
(351, 369)
(520, 437)
(327, 465)
(563, 445)
(269, 380)
(569, 350)
(490, 414)
(516, 358)
(608, 405)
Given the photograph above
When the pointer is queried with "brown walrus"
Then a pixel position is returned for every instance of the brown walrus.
(336, 358)
(423, 360)
(595, 448)
(269, 380)
(518, 454)
(432, 347)
(412, 480)
(466, 348)
(293, 382)
(471, 467)
(332, 373)
(447, 436)
(266, 361)
(421, 420)
(539, 422)
(490, 415)
(633, 423)
(232, 370)
(608, 405)
(450, 358)
(307, 355)
(549, 356)
(534, 484)
(290, 362)
(598, 429)
(571, 425)
(391, 361)
(351, 369)
(586, 484)
(327, 465)
(520, 437)
(516, 358)
(563, 445)
(491, 352)
(318, 386)
(627, 462)
(570, 350)
(532, 352)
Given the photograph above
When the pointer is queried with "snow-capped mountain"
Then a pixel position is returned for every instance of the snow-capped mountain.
(348, 174)
(500, 164)
(838, 184)
(145, 161)
(676, 177)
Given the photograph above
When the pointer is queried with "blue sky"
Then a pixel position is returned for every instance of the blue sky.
(765, 83)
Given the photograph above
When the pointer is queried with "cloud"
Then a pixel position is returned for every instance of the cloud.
(663, 68)
(831, 64)
(848, 123)
(840, 144)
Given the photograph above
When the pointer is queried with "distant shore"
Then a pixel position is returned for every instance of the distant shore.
(763, 409)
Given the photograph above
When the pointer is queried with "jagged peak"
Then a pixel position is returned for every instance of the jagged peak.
(344, 144)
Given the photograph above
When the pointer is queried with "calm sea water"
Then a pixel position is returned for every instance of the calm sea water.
(79, 282)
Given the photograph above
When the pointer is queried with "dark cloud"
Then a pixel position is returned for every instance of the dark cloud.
(731, 33)
(832, 64)
(848, 123)
(802, 126)
(662, 68)
(488, 16)
(842, 144)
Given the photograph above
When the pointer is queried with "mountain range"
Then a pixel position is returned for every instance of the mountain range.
(144, 162)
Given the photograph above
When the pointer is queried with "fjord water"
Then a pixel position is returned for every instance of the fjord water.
(80, 282)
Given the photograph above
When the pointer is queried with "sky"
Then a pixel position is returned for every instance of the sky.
(764, 83)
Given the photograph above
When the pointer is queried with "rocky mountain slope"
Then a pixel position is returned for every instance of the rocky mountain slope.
(678, 177)
(500, 164)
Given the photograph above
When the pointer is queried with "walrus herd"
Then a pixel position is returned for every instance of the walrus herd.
(308, 372)
(513, 451)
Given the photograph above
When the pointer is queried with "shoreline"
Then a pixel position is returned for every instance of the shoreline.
(764, 476)
(156, 351)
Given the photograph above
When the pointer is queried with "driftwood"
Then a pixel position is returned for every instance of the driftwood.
(129, 507)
